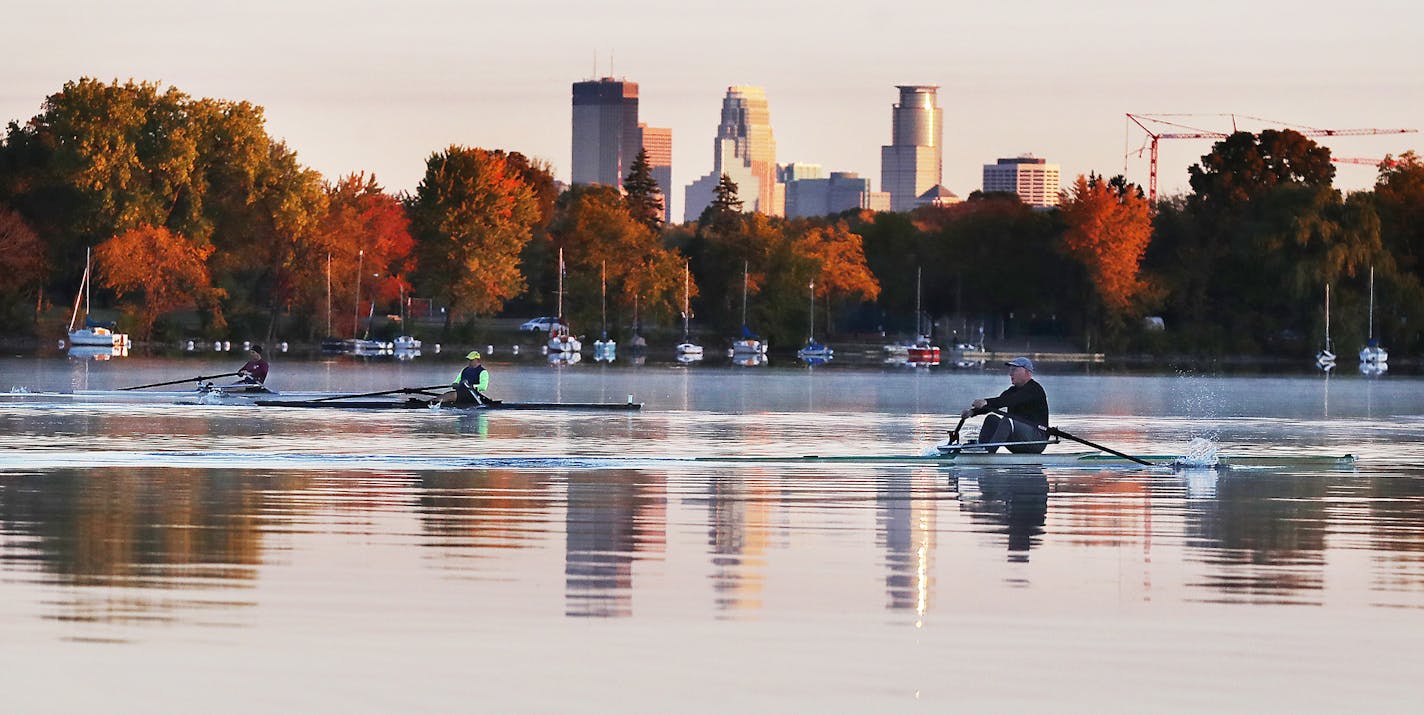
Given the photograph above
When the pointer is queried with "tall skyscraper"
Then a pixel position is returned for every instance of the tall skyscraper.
(657, 141)
(1033, 179)
(912, 163)
(746, 152)
(606, 134)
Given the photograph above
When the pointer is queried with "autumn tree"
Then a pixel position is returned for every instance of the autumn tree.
(1109, 226)
(644, 197)
(365, 230)
(841, 273)
(164, 271)
(103, 158)
(22, 264)
(595, 228)
(471, 215)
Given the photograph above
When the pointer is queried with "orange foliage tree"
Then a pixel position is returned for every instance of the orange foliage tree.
(1109, 225)
(841, 270)
(595, 228)
(166, 271)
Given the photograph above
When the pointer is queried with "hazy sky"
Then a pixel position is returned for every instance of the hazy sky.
(378, 86)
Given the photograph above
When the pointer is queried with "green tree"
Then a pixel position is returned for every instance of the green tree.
(471, 216)
(1244, 165)
(645, 198)
(725, 208)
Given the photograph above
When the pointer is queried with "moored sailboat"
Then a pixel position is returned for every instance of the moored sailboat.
(1325, 359)
(749, 345)
(814, 353)
(561, 341)
(605, 348)
(687, 351)
(93, 334)
(1373, 357)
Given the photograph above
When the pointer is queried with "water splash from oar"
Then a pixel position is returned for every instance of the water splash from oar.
(1201, 454)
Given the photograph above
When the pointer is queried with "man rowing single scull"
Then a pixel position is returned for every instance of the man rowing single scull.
(1026, 405)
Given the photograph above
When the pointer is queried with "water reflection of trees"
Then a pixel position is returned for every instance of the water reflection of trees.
(612, 517)
(142, 529)
(1262, 538)
(489, 509)
(1396, 511)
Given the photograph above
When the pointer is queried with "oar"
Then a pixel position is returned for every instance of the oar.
(397, 391)
(1055, 432)
(199, 378)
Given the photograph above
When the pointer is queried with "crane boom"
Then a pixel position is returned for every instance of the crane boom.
(1196, 133)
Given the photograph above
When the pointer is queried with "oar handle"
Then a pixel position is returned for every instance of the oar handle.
(199, 378)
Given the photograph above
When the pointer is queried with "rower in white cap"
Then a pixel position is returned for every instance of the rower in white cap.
(1026, 407)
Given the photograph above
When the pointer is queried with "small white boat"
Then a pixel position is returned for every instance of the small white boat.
(406, 342)
(691, 351)
(562, 341)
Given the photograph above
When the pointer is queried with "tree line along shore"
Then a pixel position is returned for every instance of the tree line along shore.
(202, 225)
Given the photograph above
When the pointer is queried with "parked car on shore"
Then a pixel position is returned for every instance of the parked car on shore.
(535, 325)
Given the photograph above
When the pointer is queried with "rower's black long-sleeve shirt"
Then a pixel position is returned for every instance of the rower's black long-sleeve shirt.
(1028, 402)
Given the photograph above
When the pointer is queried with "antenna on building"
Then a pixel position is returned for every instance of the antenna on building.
(610, 64)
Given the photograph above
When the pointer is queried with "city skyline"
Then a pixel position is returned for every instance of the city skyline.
(385, 87)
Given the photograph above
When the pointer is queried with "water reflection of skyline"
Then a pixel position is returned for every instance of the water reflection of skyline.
(122, 542)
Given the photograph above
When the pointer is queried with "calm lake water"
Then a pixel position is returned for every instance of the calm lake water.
(228, 558)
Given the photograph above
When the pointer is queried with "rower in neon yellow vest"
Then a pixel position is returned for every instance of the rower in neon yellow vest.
(470, 386)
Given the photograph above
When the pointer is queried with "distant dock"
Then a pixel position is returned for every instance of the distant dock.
(992, 355)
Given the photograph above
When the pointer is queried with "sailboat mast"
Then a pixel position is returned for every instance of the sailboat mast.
(559, 313)
(83, 286)
(811, 339)
(603, 294)
(686, 297)
(89, 281)
(1327, 316)
(746, 266)
(356, 314)
(328, 294)
(918, 324)
(1372, 303)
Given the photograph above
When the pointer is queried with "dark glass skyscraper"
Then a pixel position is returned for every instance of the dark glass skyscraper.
(606, 137)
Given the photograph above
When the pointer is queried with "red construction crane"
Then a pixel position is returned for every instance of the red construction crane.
(1196, 133)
